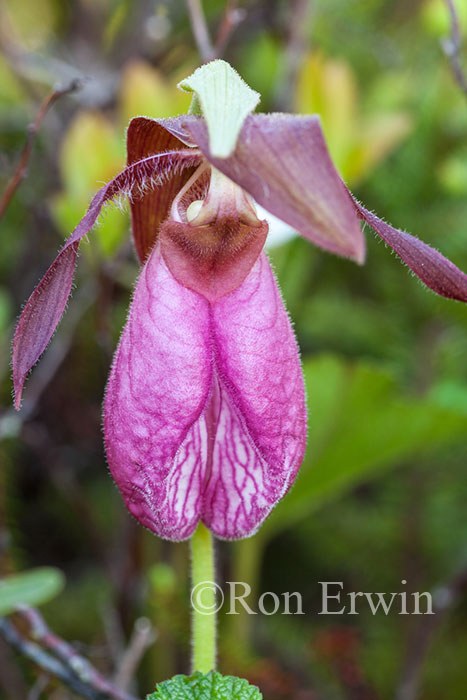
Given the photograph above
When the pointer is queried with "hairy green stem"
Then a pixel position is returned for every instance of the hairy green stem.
(203, 600)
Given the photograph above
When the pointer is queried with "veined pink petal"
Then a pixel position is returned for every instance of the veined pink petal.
(156, 440)
(146, 137)
(260, 406)
(436, 271)
(204, 414)
(46, 304)
(283, 162)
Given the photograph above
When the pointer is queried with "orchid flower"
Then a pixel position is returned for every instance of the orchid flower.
(204, 414)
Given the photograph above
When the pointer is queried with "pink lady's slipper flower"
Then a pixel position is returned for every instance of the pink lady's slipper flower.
(204, 415)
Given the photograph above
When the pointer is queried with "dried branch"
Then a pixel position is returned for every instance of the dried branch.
(12, 683)
(47, 663)
(200, 30)
(296, 46)
(452, 48)
(39, 687)
(232, 17)
(143, 635)
(33, 128)
(63, 662)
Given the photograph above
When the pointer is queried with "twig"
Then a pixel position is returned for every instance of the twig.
(297, 42)
(142, 636)
(114, 635)
(69, 656)
(452, 47)
(38, 688)
(232, 17)
(33, 128)
(200, 30)
(63, 662)
(444, 598)
(11, 680)
(47, 663)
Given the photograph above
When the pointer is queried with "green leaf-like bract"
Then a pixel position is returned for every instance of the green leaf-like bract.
(29, 588)
(225, 101)
(209, 686)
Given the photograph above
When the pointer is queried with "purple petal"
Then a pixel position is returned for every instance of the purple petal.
(146, 137)
(158, 388)
(436, 271)
(41, 315)
(283, 162)
(180, 127)
(46, 304)
(261, 414)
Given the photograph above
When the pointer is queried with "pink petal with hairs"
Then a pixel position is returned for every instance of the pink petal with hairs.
(436, 271)
(45, 306)
(158, 388)
(283, 162)
(204, 414)
(261, 415)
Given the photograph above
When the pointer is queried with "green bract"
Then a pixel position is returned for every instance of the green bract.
(29, 588)
(210, 686)
(225, 101)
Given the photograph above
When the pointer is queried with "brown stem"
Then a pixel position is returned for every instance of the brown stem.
(297, 44)
(33, 128)
(142, 636)
(232, 17)
(200, 30)
(452, 47)
(12, 684)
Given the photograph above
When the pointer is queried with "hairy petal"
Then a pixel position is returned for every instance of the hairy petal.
(436, 271)
(283, 162)
(41, 315)
(155, 437)
(46, 304)
(180, 127)
(204, 415)
(259, 407)
(146, 137)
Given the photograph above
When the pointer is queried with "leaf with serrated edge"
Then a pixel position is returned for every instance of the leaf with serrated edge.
(225, 100)
(210, 686)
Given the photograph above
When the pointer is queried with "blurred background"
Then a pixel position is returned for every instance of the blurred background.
(382, 492)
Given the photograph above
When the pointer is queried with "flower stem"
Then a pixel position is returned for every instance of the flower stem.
(203, 600)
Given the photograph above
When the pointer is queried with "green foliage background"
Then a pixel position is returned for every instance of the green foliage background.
(381, 495)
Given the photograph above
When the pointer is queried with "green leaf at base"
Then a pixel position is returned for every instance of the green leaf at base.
(209, 686)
